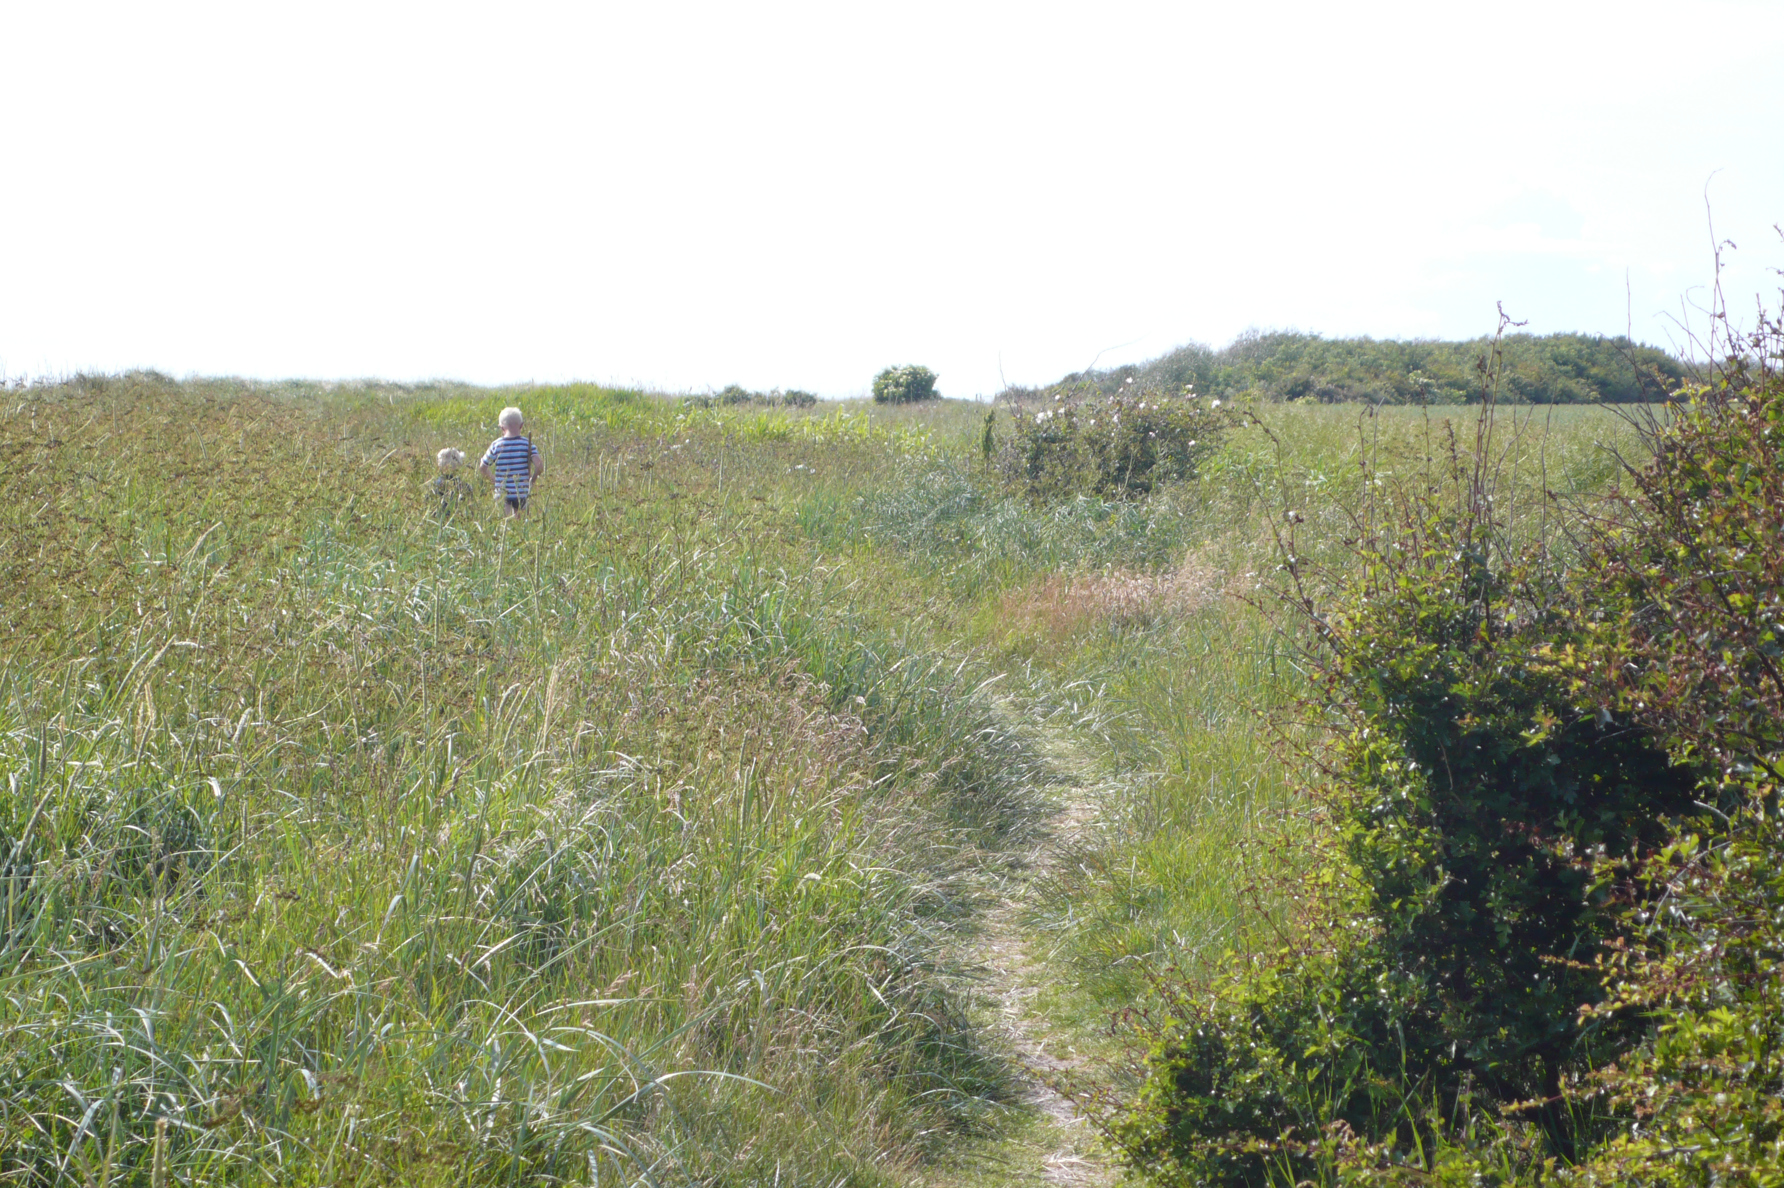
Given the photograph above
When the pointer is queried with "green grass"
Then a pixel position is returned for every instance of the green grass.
(370, 847)
(350, 843)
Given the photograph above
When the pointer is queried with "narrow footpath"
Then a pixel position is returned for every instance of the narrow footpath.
(1059, 1148)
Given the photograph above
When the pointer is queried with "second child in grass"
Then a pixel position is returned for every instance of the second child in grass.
(512, 462)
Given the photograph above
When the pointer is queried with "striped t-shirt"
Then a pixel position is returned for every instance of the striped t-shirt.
(510, 460)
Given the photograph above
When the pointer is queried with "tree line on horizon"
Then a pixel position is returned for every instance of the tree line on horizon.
(1284, 365)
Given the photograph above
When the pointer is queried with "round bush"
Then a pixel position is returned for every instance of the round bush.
(904, 385)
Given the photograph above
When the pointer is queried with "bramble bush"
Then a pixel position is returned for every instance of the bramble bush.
(1121, 446)
(904, 385)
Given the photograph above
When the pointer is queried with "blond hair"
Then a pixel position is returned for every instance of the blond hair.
(449, 459)
(510, 418)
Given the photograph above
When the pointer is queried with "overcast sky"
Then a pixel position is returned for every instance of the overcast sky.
(781, 195)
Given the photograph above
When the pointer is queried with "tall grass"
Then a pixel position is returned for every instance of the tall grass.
(354, 842)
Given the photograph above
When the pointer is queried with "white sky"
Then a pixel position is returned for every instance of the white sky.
(796, 195)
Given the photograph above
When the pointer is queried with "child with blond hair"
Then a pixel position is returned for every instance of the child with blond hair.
(512, 462)
(448, 489)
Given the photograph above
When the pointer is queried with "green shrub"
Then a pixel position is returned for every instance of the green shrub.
(904, 385)
(1468, 779)
(1693, 581)
(1246, 1078)
(1683, 592)
(1116, 447)
(1701, 1101)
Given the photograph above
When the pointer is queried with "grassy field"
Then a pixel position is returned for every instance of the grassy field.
(352, 840)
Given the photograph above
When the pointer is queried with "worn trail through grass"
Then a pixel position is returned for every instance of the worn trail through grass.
(1058, 1147)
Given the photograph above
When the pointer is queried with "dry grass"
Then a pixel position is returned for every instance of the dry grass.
(1060, 606)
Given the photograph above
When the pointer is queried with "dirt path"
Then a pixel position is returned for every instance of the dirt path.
(1015, 972)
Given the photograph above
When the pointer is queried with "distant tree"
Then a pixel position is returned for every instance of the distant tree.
(904, 385)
